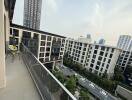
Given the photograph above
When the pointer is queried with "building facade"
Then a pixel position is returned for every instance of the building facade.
(32, 13)
(47, 47)
(98, 59)
(125, 42)
(125, 59)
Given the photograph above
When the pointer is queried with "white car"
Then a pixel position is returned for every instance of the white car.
(103, 93)
(91, 85)
(83, 79)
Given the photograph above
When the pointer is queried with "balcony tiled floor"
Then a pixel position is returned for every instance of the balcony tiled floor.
(19, 83)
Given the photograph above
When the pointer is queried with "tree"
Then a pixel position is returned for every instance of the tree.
(59, 76)
(118, 75)
(128, 70)
(84, 95)
(71, 84)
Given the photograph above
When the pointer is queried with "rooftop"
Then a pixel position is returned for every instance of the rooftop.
(34, 30)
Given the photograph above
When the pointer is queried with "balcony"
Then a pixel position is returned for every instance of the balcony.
(19, 83)
(29, 79)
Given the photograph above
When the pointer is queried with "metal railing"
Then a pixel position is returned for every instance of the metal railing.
(48, 86)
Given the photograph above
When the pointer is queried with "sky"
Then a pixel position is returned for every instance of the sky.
(106, 19)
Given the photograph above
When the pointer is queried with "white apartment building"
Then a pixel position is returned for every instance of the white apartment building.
(125, 42)
(98, 59)
(102, 59)
(47, 47)
(125, 59)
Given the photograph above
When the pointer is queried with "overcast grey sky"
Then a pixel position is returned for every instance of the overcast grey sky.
(73, 18)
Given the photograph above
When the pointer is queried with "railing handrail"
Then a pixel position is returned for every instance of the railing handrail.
(62, 86)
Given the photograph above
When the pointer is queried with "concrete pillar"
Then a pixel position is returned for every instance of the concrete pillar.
(2, 46)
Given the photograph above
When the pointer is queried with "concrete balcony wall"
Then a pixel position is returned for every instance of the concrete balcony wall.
(2, 45)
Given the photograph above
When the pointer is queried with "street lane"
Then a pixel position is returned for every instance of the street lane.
(92, 88)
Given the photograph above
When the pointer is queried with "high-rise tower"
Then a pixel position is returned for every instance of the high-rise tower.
(125, 42)
(32, 13)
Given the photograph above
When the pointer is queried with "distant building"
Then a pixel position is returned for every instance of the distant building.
(32, 13)
(88, 36)
(102, 41)
(130, 46)
(85, 39)
(125, 42)
(125, 59)
(96, 58)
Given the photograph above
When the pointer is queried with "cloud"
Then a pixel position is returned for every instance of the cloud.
(51, 6)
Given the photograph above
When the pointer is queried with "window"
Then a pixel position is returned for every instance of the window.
(10, 31)
(107, 66)
(47, 54)
(48, 38)
(92, 61)
(41, 55)
(48, 49)
(106, 54)
(94, 56)
(101, 53)
(109, 60)
(42, 49)
(97, 67)
(85, 45)
(102, 64)
(43, 37)
(101, 69)
(46, 59)
(96, 47)
(98, 63)
(104, 59)
(103, 48)
(91, 65)
(111, 55)
(95, 51)
(48, 43)
(26, 34)
(42, 43)
(112, 50)
(35, 36)
(100, 58)
(15, 32)
(108, 49)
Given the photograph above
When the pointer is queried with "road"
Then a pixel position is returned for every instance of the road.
(92, 88)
